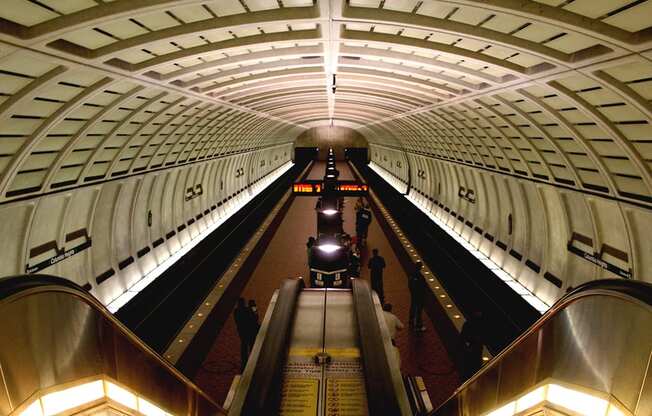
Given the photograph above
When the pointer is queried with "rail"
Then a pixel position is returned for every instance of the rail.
(385, 396)
(61, 350)
(590, 353)
(258, 392)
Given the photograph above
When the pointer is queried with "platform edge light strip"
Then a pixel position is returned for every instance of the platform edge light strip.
(502, 274)
(122, 299)
(65, 400)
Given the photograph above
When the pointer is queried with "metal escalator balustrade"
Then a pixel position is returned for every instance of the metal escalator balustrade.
(62, 352)
(322, 352)
(590, 354)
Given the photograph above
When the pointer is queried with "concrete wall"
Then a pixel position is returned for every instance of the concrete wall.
(524, 226)
(336, 137)
(134, 224)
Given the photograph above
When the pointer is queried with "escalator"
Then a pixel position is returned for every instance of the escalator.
(322, 352)
(590, 354)
(62, 352)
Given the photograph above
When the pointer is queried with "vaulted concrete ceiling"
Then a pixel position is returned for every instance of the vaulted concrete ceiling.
(557, 90)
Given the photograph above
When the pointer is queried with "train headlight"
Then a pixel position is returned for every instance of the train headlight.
(329, 211)
(328, 248)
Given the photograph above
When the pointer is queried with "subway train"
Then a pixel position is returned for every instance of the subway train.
(331, 258)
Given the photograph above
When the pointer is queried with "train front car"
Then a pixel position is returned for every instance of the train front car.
(332, 258)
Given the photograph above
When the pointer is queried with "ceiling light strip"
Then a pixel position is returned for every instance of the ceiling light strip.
(502, 274)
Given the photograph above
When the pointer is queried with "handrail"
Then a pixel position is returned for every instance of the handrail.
(384, 399)
(258, 392)
(583, 324)
(54, 333)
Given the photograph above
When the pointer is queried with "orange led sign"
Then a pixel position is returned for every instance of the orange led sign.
(353, 187)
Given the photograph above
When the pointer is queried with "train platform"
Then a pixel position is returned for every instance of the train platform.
(422, 354)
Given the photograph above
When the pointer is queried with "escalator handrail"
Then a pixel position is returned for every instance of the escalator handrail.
(628, 290)
(378, 377)
(263, 391)
(16, 287)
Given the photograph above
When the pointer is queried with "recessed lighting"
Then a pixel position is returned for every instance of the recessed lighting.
(180, 340)
(200, 314)
(207, 304)
(449, 305)
(456, 316)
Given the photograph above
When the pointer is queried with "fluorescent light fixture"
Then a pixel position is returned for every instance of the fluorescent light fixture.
(579, 402)
(531, 399)
(148, 409)
(122, 299)
(567, 398)
(34, 409)
(65, 400)
(122, 396)
(330, 211)
(328, 248)
(72, 397)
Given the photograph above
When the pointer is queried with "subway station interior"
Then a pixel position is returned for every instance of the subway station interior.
(326, 207)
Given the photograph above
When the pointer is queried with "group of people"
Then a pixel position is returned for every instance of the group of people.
(247, 324)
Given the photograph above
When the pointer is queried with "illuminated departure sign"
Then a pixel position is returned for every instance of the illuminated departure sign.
(307, 188)
(343, 188)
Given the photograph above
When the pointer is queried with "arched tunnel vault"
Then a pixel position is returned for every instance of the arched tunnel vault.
(110, 110)
(336, 137)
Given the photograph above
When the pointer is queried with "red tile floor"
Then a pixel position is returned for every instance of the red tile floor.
(422, 354)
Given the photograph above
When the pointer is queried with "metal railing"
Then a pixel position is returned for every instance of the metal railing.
(58, 342)
(590, 352)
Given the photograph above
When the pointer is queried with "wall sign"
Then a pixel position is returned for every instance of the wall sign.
(194, 192)
(468, 194)
(596, 258)
(60, 254)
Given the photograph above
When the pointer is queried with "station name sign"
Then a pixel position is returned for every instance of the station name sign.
(343, 188)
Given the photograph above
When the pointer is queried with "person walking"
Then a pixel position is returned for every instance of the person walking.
(417, 286)
(242, 316)
(362, 221)
(376, 265)
(471, 337)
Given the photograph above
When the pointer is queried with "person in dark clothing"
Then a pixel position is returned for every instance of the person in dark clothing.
(255, 319)
(376, 266)
(471, 337)
(362, 221)
(354, 263)
(243, 323)
(309, 245)
(417, 286)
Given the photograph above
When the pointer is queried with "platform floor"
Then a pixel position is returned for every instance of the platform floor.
(421, 354)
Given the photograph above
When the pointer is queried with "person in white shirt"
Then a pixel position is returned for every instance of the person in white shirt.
(393, 325)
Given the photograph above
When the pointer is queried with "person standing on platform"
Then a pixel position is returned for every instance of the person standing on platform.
(362, 221)
(359, 203)
(243, 320)
(255, 320)
(376, 266)
(471, 336)
(417, 286)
